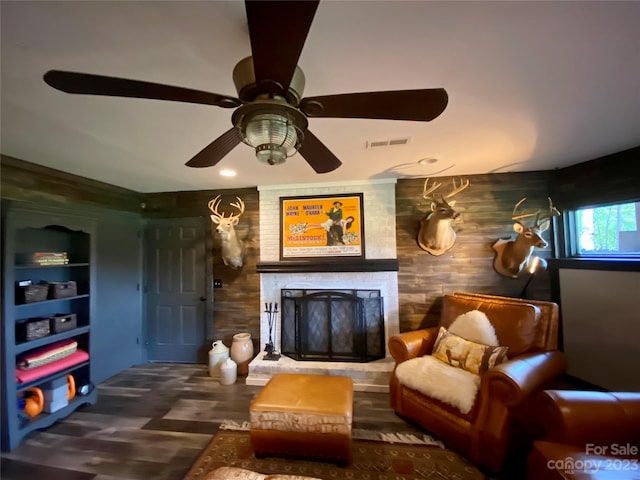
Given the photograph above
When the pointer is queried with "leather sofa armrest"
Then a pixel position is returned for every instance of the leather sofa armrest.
(590, 417)
(412, 344)
(515, 380)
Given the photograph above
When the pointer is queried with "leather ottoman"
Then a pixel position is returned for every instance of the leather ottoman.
(303, 415)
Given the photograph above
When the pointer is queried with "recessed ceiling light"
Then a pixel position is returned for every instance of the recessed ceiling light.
(428, 161)
(227, 172)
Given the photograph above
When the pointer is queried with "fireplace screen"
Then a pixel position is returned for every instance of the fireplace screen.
(334, 326)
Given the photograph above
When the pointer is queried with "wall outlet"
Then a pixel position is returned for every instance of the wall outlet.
(217, 283)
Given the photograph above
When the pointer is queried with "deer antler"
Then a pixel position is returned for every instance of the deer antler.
(524, 214)
(239, 205)
(215, 203)
(426, 191)
(213, 206)
(457, 188)
(553, 212)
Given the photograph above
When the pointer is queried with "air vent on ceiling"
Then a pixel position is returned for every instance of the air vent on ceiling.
(395, 142)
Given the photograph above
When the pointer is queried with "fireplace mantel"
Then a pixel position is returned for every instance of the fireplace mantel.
(335, 265)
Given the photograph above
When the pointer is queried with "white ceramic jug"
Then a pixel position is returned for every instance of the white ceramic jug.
(228, 372)
(217, 355)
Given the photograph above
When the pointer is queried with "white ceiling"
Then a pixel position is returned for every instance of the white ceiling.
(532, 86)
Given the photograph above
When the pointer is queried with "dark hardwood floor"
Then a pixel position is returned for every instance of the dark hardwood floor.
(151, 422)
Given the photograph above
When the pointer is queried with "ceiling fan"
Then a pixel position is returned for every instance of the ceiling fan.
(271, 115)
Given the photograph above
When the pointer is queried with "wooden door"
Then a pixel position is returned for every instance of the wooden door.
(175, 322)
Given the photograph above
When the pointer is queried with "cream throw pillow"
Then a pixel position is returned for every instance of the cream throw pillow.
(475, 326)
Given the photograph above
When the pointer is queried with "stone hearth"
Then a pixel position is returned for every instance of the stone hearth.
(367, 377)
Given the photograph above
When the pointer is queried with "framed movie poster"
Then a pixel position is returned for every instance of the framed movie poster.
(321, 226)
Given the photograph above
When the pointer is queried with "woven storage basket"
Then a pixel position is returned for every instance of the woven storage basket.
(32, 293)
(32, 329)
(63, 289)
(63, 322)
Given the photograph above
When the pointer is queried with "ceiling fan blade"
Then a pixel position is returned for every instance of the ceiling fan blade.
(278, 30)
(321, 159)
(419, 105)
(86, 83)
(216, 150)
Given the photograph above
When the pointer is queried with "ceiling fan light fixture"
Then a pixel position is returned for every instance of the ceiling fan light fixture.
(271, 154)
(273, 137)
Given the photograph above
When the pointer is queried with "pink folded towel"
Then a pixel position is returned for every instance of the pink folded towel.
(48, 354)
(29, 375)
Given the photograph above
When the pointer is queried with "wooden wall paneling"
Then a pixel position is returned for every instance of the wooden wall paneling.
(609, 179)
(25, 181)
(188, 203)
(486, 208)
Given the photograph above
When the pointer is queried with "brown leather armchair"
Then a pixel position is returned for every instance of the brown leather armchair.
(588, 435)
(501, 418)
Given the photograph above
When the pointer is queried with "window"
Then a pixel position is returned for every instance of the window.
(606, 230)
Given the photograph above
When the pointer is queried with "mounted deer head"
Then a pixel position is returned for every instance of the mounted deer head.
(513, 256)
(436, 235)
(232, 247)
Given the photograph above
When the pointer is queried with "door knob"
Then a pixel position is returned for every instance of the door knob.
(203, 298)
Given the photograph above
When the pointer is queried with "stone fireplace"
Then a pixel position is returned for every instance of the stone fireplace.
(375, 273)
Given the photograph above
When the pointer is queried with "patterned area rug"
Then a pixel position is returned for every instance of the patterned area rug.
(360, 434)
(371, 460)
